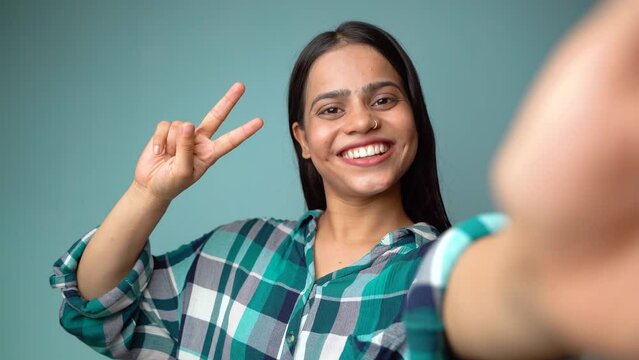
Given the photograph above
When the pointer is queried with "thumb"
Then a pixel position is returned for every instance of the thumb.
(184, 150)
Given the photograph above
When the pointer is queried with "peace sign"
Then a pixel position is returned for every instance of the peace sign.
(178, 154)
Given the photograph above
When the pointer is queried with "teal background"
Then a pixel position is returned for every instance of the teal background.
(83, 83)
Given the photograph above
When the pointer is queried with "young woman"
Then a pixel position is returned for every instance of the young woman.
(559, 277)
(330, 284)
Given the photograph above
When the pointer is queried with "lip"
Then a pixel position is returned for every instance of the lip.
(368, 141)
(369, 161)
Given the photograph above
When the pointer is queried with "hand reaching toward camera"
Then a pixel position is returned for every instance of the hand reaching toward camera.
(179, 154)
(568, 177)
(561, 277)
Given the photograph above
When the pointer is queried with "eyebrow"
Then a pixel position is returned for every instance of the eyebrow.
(378, 85)
(331, 95)
(345, 92)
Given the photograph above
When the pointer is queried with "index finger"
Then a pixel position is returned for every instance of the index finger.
(218, 113)
(232, 139)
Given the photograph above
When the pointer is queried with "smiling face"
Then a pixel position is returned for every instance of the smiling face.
(349, 90)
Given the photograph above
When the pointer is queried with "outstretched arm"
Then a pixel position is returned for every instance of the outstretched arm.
(562, 277)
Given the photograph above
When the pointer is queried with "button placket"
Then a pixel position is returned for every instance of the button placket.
(295, 323)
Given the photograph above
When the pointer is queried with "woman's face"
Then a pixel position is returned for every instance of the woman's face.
(350, 89)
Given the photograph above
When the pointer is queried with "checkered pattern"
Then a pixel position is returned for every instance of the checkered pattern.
(423, 312)
(248, 290)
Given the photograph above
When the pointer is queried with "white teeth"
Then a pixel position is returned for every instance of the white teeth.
(365, 151)
(370, 150)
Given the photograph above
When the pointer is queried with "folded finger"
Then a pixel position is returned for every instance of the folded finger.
(184, 153)
(174, 132)
(159, 137)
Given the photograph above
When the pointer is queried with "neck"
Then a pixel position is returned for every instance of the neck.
(362, 220)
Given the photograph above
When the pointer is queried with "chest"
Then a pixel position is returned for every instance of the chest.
(331, 256)
(250, 315)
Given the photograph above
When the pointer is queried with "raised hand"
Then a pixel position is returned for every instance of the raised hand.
(178, 154)
(176, 157)
(568, 176)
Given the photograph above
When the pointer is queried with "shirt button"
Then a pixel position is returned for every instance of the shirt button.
(290, 338)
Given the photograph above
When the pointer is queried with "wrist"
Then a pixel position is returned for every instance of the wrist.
(141, 195)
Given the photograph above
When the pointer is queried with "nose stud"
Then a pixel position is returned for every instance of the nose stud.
(376, 124)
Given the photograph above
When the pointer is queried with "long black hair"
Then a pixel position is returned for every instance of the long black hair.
(421, 196)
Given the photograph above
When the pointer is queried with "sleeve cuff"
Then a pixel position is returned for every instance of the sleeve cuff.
(124, 294)
(423, 315)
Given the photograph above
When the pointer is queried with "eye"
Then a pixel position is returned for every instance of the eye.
(330, 112)
(384, 103)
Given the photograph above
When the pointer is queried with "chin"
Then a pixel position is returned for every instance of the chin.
(373, 187)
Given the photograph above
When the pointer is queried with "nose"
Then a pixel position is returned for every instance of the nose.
(358, 120)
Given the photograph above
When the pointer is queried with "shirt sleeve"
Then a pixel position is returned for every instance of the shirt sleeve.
(137, 318)
(423, 319)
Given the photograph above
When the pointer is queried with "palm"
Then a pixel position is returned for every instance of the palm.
(157, 173)
(572, 161)
(167, 174)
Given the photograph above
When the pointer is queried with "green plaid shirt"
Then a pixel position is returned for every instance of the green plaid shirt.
(248, 290)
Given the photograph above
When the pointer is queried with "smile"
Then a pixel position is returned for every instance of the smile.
(365, 151)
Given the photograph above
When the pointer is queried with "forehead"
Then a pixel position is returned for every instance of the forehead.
(349, 67)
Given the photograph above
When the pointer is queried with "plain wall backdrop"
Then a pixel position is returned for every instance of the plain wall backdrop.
(83, 84)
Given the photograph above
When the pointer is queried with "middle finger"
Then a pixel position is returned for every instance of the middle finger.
(218, 113)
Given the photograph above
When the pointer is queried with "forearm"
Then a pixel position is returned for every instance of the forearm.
(116, 245)
(489, 310)
(509, 297)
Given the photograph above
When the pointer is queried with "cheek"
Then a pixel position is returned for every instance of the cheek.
(409, 134)
(320, 140)
(409, 150)
(408, 160)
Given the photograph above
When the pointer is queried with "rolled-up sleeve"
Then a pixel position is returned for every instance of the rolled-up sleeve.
(127, 292)
(122, 323)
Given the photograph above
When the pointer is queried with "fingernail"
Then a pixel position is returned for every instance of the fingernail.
(187, 129)
(156, 149)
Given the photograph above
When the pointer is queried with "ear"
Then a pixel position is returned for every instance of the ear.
(300, 136)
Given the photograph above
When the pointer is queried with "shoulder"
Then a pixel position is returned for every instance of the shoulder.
(410, 243)
(260, 227)
(225, 236)
(253, 227)
(263, 231)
